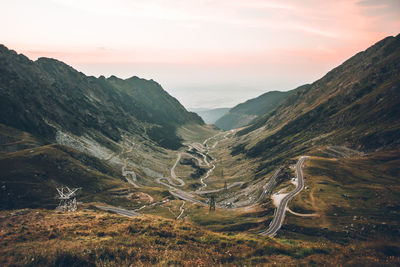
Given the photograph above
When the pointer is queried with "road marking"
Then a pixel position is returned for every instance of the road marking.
(279, 214)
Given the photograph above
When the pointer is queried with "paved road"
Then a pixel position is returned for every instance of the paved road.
(270, 185)
(217, 190)
(152, 204)
(202, 149)
(206, 150)
(129, 213)
(216, 143)
(186, 196)
(277, 221)
(173, 175)
(126, 173)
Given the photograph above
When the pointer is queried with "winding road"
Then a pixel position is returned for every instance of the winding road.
(218, 190)
(267, 188)
(173, 175)
(279, 215)
(125, 173)
(204, 185)
(125, 212)
(201, 149)
(186, 196)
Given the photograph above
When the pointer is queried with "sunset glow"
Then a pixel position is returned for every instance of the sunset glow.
(206, 53)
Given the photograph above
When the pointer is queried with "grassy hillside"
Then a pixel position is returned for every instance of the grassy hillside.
(46, 96)
(355, 105)
(347, 123)
(242, 114)
(87, 238)
(31, 171)
(355, 198)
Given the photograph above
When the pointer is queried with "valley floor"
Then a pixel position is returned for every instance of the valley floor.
(346, 212)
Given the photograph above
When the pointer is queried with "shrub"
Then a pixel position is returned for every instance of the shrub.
(68, 259)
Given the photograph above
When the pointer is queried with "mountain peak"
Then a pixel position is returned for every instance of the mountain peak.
(114, 78)
(355, 103)
(46, 92)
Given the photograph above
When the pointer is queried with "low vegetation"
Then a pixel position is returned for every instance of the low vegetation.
(355, 199)
(94, 238)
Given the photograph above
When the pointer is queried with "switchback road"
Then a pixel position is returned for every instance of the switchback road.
(270, 185)
(277, 221)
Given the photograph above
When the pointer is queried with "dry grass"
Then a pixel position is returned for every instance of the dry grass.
(357, 198)
(91, 238)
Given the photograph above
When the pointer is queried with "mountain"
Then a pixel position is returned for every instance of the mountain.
(210, 116)
(61, 127)
(31, 170)
(198, 109)
(331, 146)
(343, 131)
(46, 97)
(242, 114)
(355, 105)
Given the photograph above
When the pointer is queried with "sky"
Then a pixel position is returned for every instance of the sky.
(206, 53)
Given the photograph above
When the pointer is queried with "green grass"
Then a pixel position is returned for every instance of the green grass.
(356, 198)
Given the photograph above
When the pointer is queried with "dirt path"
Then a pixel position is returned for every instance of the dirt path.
(318, 208)
(182, 210)
(301, 214)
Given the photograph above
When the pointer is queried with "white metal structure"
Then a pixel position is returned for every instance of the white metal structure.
(67, 198)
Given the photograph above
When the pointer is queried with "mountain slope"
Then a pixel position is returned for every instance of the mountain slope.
(355, 105)
(59, 127)
(31, 170)
(47, 96)
(242, 114)
(210, 116)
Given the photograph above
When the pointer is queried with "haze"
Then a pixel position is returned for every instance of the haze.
(206, 53)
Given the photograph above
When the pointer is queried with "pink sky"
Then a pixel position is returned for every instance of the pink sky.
(206, 53)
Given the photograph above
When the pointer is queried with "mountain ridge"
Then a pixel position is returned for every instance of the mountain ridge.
(355, 104)
(40, 94)
(244, 113)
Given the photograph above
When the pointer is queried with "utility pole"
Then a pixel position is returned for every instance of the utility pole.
(212, 203)
(222, 175)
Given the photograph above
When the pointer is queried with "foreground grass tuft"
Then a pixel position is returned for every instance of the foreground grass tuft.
(90, 238)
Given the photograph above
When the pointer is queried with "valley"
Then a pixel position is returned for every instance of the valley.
(305, 177)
